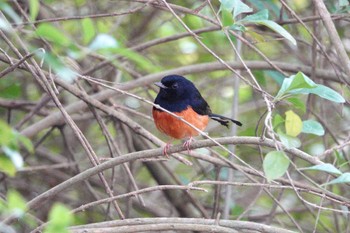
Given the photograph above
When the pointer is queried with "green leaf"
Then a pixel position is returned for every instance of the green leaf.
(277, 28)
(88, 30)
(343, 178)
(327, 167)
(261, 18)
(301, 84)
(312, 127)
(14, 155)
(285, 85)
(16, 203)
(327, 93)
(275, 164)
(239, 8)
(27, 143)
(238, 27)
(288, 141)
(6, 166)
(226, 18)
(301, 81)
(7, 136)
(260, 15)
(293, 124)
(296, 84)
(277, 120)
(59, 219)
(51, 33)
(193, 22)
(34, 6)
(297, 103)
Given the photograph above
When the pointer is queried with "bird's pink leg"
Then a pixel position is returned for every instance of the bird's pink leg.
(166, 148)
(187, 144)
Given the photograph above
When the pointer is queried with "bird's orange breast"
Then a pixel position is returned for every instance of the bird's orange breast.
(175, 128)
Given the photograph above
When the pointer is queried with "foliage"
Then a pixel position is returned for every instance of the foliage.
(59, 219)
(10, 141)
(275, 164)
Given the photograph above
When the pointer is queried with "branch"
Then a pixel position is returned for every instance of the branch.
(40, 199)
(77, 17)
(333, 35)
(208, 223)
(157, 227)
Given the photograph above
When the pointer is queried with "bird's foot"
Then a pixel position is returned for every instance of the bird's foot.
(166, 148)
(187, 144)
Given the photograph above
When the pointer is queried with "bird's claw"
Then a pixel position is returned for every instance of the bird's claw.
(187, 145)
(165, 149)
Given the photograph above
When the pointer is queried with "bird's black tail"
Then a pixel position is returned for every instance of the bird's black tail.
(223, 120)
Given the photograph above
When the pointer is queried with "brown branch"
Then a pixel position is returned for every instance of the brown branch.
(40, 199)
(241, 226)
(14, 66)
(79, 17)
(159, 227)
(312, 19)
(333, 35)
(137, 192)
(114, 151)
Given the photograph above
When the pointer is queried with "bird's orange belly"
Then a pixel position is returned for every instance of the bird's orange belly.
(176, 128)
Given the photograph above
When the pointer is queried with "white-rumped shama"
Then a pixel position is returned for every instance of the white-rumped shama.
(179, 96)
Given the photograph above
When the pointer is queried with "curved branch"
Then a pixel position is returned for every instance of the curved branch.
(209, 224)
(157, 227)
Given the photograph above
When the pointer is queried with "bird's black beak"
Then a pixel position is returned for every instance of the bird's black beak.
(161, 85)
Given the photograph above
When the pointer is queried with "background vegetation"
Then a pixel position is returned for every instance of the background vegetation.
(78, 145)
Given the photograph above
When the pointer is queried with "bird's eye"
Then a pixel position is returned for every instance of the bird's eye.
(174, 86)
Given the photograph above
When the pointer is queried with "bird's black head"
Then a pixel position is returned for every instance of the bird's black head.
(176, 93)
(175, 87)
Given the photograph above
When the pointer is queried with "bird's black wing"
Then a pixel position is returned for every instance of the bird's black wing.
(199, 105)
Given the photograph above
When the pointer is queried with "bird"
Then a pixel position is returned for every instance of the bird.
(179, 96)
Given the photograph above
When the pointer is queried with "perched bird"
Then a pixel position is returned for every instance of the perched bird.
(179, 96)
